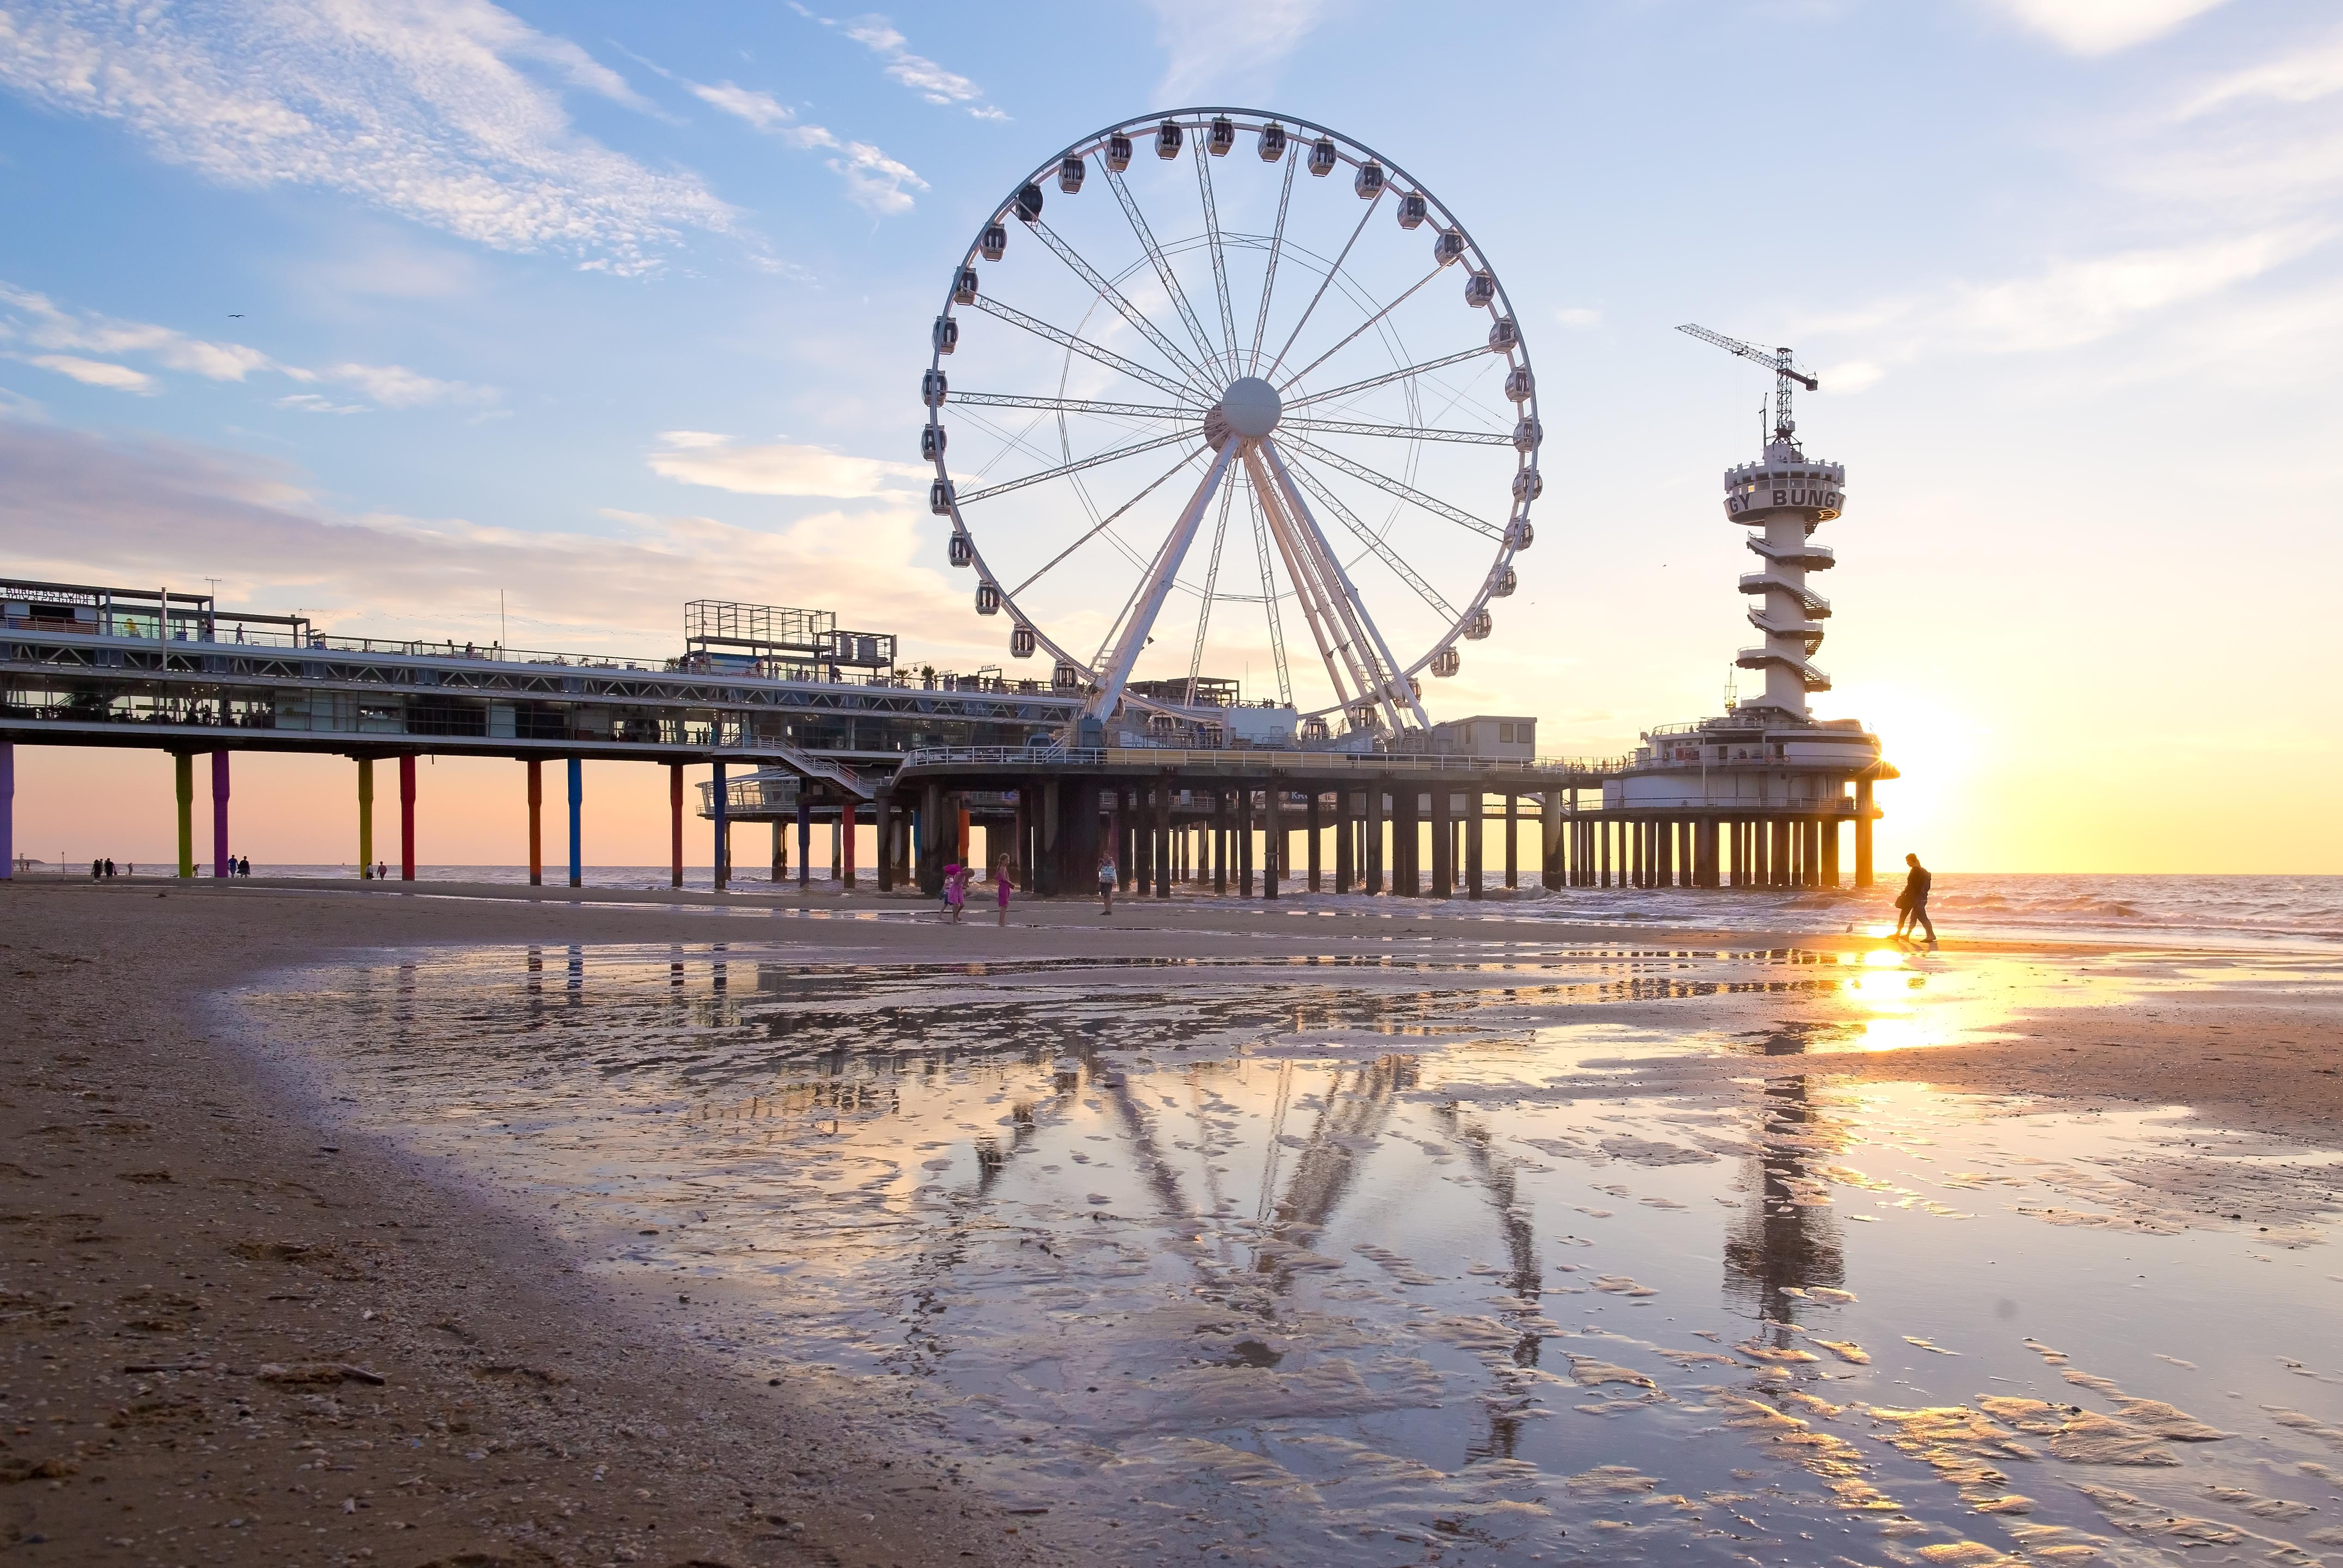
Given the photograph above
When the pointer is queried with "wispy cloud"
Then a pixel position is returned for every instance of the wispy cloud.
(416, 106)
(35, 321)
(917, 72)
(96, 372)
(2102, 27)
(2067, 302)
(1224, 52)
(777, 468)
(2299, 76)
(874, 182)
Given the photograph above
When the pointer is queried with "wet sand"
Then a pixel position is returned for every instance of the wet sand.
(176, 1197)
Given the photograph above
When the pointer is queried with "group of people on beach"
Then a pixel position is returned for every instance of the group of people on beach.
(958, 874)
(101, 868)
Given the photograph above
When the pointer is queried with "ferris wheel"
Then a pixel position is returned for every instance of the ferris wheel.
(1262, 396)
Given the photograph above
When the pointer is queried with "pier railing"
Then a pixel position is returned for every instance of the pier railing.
(1263, 759)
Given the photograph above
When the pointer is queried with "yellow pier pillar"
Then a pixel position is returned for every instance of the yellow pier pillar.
(366, 816)
(183, 766)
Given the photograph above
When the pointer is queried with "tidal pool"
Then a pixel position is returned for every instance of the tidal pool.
(1560, 1254)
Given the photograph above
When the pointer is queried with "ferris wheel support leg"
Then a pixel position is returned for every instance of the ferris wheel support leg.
(1347, 598)
(1304, 568)
(1149, 601)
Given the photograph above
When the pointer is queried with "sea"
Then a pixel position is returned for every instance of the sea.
(2224, 911)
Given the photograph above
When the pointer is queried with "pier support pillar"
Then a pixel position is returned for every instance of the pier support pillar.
(183, 768)
(849, 816)
(1830, 852)
(1272, 836)
(1407, 843)
(576, 783)
(220, 867)
(1244, 841)
(1378, 803)
(674, 824)
(1553, 863)
(1049, 833)
(1863, 832)
(1346, 865)
(536, 822)
(7, 811)
(406, 818)
(1476, 833)
(884, 812)
(1165, 784)
(1513, 843)
(1313, 825)
(805, 836)
(366, 816)
(720, 873)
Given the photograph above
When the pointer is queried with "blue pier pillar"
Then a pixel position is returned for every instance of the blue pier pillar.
(722, 875)
(577, 822)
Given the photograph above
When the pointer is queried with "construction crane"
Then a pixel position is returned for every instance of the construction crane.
(1777, 360)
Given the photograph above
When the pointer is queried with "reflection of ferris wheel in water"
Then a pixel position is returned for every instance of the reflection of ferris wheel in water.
(1206, 410)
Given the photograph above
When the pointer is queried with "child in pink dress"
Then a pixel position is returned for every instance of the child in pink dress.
(955, 890)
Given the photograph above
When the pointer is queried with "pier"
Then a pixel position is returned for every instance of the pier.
(943, 767)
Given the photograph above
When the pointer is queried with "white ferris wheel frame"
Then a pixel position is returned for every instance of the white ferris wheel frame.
(1380, 686)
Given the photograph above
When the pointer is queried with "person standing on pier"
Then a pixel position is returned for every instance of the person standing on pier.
(1912, 903)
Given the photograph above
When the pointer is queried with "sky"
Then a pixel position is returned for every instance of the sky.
(381, 309)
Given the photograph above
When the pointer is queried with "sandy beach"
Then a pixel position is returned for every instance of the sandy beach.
(250, 1322)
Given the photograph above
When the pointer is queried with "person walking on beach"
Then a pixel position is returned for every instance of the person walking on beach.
(1000, 879)
(1912, 903)
(955, 890)
(1106, 879)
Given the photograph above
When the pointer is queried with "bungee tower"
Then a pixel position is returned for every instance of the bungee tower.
(1756, 796)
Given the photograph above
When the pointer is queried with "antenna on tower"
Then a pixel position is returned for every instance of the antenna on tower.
(1780, 362)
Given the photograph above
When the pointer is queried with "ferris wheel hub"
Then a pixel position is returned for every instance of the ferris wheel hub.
(1252, 406)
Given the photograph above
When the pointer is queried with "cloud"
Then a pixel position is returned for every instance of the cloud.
(2102, 27)
(36, 320)
(777, 468)
(79, 508)
(1577, 318)
(396, 386)
(2300, 77)
(416, 106)
(2069, 303)
(1853, 376)
(1228, 51)
(874, 181)
(917, 72)
(96, 372)
(311, 403)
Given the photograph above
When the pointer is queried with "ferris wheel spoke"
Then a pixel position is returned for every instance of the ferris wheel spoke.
(1387, 379)
(1072, 405)
(1213, 243)
(1276, 246)
(1331, 273)
(1163, 273)
(1077, 466)
(1204, 609)
(1114, 297)
(1255, 497)
(1364, 327)
(1372, 540)
(1103, 525)
(1082, 346)
(1401, 432)
(1373, 641)
(1432, 504)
